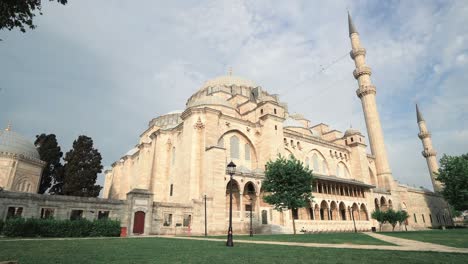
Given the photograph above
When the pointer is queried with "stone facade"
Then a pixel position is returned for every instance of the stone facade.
(181, 158)
(177, 170)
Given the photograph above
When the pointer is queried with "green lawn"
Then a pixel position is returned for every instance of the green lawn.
(451, 237)
(166, 250)
(327, 238)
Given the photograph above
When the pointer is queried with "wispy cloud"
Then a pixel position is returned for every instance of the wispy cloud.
(107, 68)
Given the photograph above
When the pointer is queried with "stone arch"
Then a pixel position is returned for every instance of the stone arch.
(235, 195)
(383, 204)
(316, 212)
(363, 213)
(390, 204)
(355, 211)
(376, 204)
(243, 139)
(333, 211)
(324, 211)
(342, 208)
(322, 165)
(342, 170)
(249, 196)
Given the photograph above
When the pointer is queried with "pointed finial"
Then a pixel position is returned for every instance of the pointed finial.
(418, 114)
(8, 128)
(230, 71)
(352, 28)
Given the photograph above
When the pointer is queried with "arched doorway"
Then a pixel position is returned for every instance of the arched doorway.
(363, 213)
(333, 211)
(342, 211)
(235, 197)
(324, 211)
(383, 204)
(139, 223)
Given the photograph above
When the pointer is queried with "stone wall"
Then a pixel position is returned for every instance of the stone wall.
(59, 206)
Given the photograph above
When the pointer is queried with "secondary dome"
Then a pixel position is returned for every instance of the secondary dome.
(14, 143)
(351, 131)
(229, 80)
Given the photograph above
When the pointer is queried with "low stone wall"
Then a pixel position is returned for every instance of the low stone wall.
(29, 205)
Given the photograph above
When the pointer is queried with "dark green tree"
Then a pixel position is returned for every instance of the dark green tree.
(453, 173)
(83, 163)
(288, 185)
(401, 217)
(391, 216)
(380, 217)
(49, 151)
(20, 13)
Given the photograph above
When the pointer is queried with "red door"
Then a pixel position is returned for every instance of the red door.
(139, 223)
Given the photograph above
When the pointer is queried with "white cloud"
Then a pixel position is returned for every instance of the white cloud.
(138, 61)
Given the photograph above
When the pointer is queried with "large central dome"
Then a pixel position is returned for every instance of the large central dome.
(228, 80)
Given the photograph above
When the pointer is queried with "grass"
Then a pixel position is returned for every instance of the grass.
(327, 238)
(451, 237)
(166, 250)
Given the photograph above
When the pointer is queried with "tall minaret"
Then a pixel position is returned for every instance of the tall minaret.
(429, 153)
(366, 92)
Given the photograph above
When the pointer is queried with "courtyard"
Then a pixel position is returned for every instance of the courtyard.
(323, 248)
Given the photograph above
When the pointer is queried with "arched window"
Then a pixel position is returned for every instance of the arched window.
(234, 147)
(315, 162)
(173, 155)
(247, 151)
(324, 167)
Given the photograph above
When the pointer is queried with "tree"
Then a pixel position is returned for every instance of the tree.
(401, 217)
(49, 151)
(380, 217)
(288, 185)
(391, 216)
(20, 13)
(83, 163)
(453, 173)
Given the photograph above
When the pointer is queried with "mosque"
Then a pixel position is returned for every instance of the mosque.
(176, 173)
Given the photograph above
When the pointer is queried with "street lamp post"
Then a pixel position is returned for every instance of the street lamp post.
(251, 205)
(206, 232)
(231, 169)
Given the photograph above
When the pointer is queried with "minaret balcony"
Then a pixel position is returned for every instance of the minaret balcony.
(356, 52)
(423, 135)
(428, 153)
(365, 90)
(361, 70)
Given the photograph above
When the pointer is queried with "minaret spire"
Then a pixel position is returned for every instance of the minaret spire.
(366, 92)
(429, 153)
(352, 28)
(418, 114)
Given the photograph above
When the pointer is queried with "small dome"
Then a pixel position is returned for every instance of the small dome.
(228, 80)
(351, 131)
(14, 143)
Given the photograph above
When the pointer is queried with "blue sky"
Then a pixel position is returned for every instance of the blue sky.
(105, 68)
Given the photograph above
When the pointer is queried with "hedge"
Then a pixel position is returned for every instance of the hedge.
(32, 227)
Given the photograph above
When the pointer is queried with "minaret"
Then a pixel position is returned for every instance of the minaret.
(429, 153)
(366, 92)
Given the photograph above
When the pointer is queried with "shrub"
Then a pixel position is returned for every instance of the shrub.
(19, 227)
